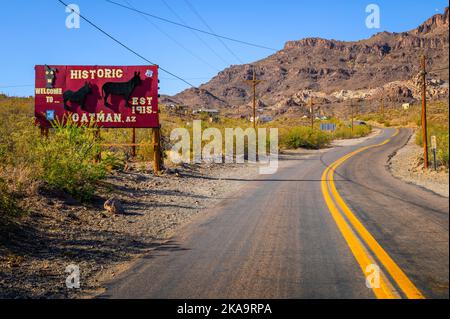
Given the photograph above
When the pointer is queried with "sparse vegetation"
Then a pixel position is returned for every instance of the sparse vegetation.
(345, 132)
(64, 160)
(305, 137)
(437, 120)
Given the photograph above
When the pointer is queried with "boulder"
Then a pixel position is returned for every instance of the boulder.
(113, 206)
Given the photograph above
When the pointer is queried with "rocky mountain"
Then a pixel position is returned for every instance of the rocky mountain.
(333, 72)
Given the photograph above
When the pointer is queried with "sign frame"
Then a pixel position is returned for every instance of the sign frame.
(103, 96)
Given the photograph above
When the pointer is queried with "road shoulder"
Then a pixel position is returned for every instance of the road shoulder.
(406, 165)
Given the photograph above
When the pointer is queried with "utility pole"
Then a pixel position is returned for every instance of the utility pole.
(254, 82)
(311, 109)
(424, 112)
(382, 108)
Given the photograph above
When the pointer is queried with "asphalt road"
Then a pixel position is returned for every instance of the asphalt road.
(279, 237)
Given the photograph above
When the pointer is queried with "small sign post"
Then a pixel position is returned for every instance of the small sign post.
(434, 150)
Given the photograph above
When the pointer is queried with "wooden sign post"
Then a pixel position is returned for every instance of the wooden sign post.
(133, 142)
(157, 157)
(98, 157)
(44, 131)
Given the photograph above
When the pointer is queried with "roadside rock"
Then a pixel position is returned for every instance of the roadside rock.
(114, 206)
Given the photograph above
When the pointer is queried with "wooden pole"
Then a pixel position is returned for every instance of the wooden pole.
(44, 132)
(133, 142)
(351, 106)
(156, 150)
(311, 109)
(98, 157)
(254, 82)
(424, 113)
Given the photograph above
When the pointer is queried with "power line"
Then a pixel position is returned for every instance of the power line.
(175, 40)
(192, 28)
(125, 46)
(210, 29)
(195, 33)
(16, 86)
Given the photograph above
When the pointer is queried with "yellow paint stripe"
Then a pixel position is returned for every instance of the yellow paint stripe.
(394, 270)
(360, 254)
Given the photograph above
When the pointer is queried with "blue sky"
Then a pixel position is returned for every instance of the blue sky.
(34, 32)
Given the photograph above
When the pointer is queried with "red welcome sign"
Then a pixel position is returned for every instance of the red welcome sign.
(108, 96)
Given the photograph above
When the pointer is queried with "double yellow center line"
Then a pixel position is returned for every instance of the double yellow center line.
(362, 244)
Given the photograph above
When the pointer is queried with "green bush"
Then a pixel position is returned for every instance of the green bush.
(67, 160)
(305, 137)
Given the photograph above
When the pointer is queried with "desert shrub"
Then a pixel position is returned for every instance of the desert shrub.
(305, 137)
(67, 160)
(113, 160)
(345, 132)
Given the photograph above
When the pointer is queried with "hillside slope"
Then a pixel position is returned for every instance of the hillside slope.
(334, 71)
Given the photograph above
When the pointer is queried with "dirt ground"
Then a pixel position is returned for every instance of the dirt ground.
(407, 165)
(59, 231)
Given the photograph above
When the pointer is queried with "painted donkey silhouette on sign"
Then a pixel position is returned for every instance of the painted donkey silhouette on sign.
(124, 89)
(78, 97)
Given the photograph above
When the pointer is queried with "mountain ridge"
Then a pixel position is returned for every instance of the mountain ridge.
(322, 68)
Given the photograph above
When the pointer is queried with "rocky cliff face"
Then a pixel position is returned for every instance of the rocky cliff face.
(334, 71)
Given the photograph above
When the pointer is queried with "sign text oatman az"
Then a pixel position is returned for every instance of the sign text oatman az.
(107, 96)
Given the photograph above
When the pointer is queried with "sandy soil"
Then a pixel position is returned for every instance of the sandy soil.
(406, 165)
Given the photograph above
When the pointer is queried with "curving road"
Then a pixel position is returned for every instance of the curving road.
(289, 236)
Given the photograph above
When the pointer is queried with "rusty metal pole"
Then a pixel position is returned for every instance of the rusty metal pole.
(424, 113)
(156, 150)
(133, 142)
